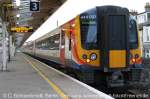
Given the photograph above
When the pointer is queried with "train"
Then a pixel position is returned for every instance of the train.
(99, 45)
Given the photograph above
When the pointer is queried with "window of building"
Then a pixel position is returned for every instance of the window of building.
(144, 18)
(148, 16)
(147, 36)
(147, 56)
(147, 51)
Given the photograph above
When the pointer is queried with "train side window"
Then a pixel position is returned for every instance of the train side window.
(62, 38)
(54, 42)
(133, 34)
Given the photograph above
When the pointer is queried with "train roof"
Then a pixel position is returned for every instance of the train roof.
(49, 34)
(108, 9)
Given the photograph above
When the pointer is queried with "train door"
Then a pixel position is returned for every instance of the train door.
(68, 49)
(62, 47)
(68, 55)
(114, 35)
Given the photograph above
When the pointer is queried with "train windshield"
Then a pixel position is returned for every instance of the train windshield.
(88, 29)
(133, 34)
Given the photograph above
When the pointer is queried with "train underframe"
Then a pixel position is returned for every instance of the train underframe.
(122, 78)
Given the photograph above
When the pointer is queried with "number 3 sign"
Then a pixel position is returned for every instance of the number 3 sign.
(34, 5)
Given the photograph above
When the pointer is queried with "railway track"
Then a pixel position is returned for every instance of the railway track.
(135, 92)
(131, 92)
(146, 61)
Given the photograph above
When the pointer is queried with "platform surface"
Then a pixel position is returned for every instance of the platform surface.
(27, 78)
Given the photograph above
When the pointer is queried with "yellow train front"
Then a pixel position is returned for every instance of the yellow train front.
(105, 46)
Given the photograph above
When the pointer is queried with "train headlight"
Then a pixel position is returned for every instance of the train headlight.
(84, 56)
(133, 60)
(131, 56)
(136, 55)
(87, 60)
(93, 56)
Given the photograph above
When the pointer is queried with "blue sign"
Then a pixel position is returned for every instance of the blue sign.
(34, 6)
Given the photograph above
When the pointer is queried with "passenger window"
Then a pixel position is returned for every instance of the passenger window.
(54, 42)
(62, 38)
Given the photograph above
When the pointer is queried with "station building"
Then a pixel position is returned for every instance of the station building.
(143, 20)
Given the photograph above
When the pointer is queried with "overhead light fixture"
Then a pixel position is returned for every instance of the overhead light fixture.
(18, 15)
(17, 2)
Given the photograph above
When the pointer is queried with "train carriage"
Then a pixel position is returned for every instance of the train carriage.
(101, 45)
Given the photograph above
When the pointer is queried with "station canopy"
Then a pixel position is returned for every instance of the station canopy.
(22, 20)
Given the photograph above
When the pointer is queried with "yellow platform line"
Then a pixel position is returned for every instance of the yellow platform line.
(63, 96)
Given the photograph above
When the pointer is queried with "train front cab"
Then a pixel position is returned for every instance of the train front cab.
(106, 42)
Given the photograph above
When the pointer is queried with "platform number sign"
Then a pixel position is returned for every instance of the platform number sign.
(34, 5)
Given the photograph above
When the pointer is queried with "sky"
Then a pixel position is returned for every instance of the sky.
(71, 8)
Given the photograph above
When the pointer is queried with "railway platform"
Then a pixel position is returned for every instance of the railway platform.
(28, 78)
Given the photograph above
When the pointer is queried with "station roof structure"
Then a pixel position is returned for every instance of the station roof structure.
(21, 16)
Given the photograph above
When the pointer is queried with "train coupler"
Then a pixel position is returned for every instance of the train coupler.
(116, 79)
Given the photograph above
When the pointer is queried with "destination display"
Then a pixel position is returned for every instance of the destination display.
(87, 19)
(22, 29)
